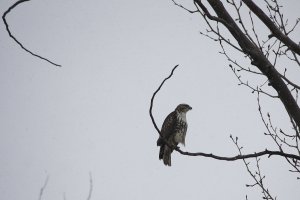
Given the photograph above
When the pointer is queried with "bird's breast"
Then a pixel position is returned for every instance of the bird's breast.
(180, 137)
(181, 117)
(181, 129)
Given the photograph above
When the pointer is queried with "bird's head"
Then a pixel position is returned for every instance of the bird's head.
(183, 108)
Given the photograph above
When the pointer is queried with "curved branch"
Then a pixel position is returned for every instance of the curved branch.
(15, 39)
(210, 155)
(153, 96)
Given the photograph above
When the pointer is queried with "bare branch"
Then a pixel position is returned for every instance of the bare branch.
(15, 39)
(184, 8)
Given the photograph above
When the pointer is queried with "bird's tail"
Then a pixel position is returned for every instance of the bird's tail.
(161, 152)
(167, 156)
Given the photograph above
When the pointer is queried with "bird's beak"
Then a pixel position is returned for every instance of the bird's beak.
(190, 108)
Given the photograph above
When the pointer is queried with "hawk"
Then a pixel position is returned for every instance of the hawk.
(173, 131)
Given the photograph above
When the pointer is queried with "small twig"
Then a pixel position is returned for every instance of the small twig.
(257, 89)
(254, 32)
(15, 39)
(240, 20)
(184, 8)
(293, 28)
(43, 188)
(91, 187)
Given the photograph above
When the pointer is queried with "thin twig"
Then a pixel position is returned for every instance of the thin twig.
(91, 187)
(43, 188)
(184, 8)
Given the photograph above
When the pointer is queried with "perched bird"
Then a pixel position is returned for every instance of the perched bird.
(173, 131)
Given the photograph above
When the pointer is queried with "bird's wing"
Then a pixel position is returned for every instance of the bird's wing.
(169, 125)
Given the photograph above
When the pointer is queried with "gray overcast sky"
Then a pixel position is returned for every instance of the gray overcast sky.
(91, 115)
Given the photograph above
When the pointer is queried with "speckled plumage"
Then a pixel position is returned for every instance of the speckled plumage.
(173, 132)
